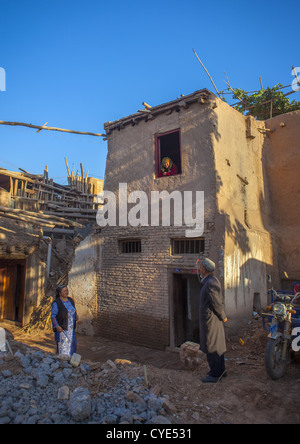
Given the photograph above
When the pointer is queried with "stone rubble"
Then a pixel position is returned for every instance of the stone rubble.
(39, 388)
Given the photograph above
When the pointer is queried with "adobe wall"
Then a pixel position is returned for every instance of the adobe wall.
(135, 290)
(244, 207)
(4, 198)
(82, 282)
(282, 150)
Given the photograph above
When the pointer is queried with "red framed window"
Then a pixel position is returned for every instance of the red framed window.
(168, 145)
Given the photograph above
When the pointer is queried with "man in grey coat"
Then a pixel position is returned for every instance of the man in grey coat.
(212, 317)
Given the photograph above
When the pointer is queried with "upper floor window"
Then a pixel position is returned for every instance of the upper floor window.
(168, 154)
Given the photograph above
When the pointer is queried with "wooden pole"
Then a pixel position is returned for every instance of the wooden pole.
(49, 257)
(231, 89)
(48, 218)
(67, 167)
(49, 128)
(207, 73)
(28, 219)
(229, 86)
(261, 85)
(147, 106)
(271, 109)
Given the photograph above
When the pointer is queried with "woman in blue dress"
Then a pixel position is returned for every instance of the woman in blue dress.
(64, 317)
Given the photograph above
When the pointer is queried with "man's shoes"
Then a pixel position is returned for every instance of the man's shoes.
(224, 375)
(210, 380)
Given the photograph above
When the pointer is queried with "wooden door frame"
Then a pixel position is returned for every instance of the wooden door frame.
(22, 279)
(172, 271)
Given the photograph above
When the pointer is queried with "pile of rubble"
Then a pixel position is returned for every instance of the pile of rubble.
(40, 388)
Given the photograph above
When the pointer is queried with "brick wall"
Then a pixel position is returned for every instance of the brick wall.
(134, 289)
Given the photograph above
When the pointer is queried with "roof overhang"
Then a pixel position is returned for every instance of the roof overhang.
(149, 113)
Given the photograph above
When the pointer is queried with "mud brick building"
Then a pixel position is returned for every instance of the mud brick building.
(22, 274)
(38, 234)
(146, 282)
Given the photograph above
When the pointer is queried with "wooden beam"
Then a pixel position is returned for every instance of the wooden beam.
(49, 128)
(60, 230)
(40, 216)
(11, 256)
(148, 107)
(69, 209)
(77, 215)
(15, 175)
(28, 219)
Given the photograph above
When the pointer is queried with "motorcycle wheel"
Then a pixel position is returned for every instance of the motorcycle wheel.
(274, 363)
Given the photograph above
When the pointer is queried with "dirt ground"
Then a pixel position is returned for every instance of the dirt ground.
(246, 396)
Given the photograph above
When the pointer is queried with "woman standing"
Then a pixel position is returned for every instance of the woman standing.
(64, 317)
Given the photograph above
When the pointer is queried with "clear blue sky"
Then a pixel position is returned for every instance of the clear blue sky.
(77, 64)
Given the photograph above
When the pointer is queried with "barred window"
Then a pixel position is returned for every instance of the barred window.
(130, 246)
(187, 246)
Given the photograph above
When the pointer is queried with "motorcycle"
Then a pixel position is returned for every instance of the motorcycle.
(284, 323)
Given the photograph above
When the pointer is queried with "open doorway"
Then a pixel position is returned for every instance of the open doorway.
(12, 290)
(186, 290)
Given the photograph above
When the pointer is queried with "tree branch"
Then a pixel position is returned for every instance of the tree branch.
(49, 128)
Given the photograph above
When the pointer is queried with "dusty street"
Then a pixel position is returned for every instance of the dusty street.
(246, 395)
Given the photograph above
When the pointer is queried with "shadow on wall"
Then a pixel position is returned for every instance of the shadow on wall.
(237, 232)
(246, 289)
(82, 282)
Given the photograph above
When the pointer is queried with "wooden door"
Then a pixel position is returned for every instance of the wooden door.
(12, 290)
(10, 293)
(2, 282)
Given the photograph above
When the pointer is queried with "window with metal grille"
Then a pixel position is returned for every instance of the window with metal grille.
(187, 246)
(130, 246)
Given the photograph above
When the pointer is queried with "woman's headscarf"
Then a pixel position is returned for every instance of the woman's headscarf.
(163, 169)
(59, 289)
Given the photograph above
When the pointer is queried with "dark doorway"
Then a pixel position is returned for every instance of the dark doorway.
(186, 308)
(12, 290)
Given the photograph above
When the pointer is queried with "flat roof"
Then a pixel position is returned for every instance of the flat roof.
(149, 112)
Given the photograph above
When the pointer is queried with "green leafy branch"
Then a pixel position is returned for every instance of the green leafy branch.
(263, 104)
